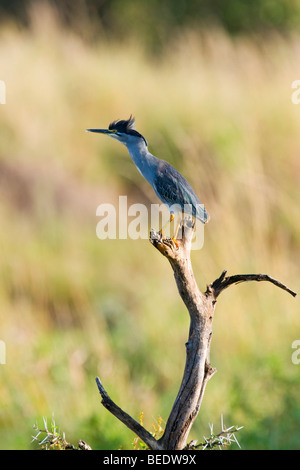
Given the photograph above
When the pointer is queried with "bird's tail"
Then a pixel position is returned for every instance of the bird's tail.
(202, 214)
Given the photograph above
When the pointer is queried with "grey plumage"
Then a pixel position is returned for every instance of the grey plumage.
(172, 188)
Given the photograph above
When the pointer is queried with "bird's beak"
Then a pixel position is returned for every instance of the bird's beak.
(101, 131)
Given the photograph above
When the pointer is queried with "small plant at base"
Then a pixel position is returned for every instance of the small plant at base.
(54, 440)
(158, 432)
(222, 440)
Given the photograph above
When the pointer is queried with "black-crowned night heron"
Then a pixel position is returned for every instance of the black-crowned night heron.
(169, 185)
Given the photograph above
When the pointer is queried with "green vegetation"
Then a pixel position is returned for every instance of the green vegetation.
(157, 23)
(74, 307)
(51, 437)
(54, 439)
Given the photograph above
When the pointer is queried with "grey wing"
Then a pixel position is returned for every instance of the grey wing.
(172, 188)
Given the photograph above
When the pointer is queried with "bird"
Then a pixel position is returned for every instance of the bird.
(168, 183)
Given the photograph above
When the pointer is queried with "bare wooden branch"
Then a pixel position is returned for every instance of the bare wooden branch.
(198, 369)
(126, 419)
(223, 282)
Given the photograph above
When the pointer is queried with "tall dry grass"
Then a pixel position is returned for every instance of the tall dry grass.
(72, 306)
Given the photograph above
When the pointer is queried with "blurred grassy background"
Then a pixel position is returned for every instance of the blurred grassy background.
(219, 108)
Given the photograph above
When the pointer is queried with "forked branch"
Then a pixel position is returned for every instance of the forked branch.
(198, 369)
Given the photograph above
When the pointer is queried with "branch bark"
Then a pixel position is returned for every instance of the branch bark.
(198, 369)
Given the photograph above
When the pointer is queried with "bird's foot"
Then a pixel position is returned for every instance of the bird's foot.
(165, 245)
(175, 241)
(168, 240)
(169, 247)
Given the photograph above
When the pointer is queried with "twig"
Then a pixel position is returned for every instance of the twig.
(224, 438)
(223, 282)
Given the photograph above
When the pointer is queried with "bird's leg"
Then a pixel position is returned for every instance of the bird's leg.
(174, 238)
(169, 221)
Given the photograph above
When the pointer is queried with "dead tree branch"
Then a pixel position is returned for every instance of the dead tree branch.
(126, 419)
(198, 369)
(223, 282)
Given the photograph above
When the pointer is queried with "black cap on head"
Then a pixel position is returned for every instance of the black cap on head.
(126, 127)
